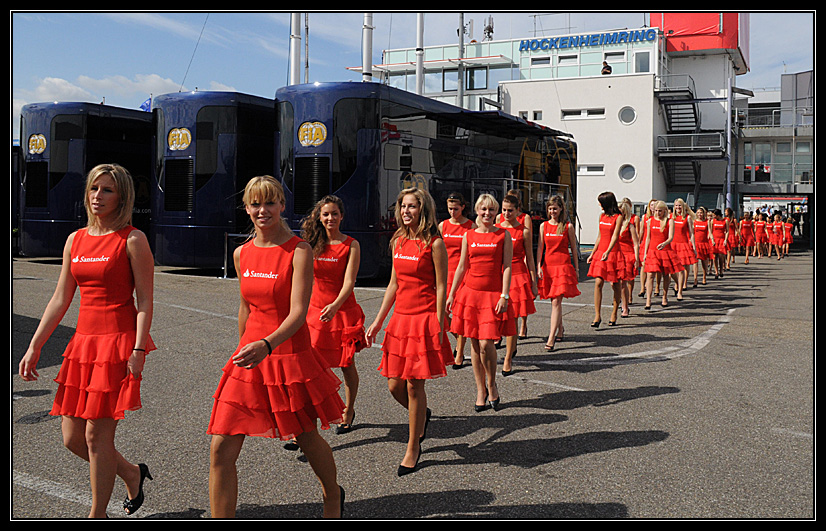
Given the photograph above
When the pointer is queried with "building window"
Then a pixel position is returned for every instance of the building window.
(537, 115)
(627, 173)
(627, 115)
(541, 61)
(583, 114)
(566, 60)
(590, 170)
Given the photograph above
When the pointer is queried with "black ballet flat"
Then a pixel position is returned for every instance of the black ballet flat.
(291, 445)
(405, 470)
(130, 506)
(345, 427)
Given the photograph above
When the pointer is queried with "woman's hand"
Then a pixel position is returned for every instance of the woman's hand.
(28, 365)
(136, 361)
(251, 354)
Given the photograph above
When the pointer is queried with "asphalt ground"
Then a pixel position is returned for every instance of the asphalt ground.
(701, 410)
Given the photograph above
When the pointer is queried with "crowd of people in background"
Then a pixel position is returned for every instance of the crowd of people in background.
(474, 275)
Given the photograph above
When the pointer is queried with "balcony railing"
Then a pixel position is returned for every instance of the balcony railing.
(775, 117)
(691, 144)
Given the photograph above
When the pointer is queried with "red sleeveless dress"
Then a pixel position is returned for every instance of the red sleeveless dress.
(452, 236)
(521, 295)
(474, 305)
(747, 233)
(282, 396)
(760, 232)
(626, 247)
(664, 260)
(414, 348)
(559, 278)
(93, 381)
(339, 339)
(701, 241)
(681, 244)
(787, 235)
(612, 269)
(718, 231)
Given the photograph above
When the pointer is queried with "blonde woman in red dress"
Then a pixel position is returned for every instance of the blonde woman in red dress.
(776, 235)
(275, 384)
(452, 230)
(335, 319)
(558, 276)
(702, 243)
(683, 243)
(99, 379)
(733, 238)
(607, 263)
(479, 298)
(747, 235)
(523, 288)
(415, 347)
(630, 248)
(659, 257)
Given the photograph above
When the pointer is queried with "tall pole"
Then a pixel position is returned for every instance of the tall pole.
(295, 51)
(367, 48)
(460, 90)
(420, 53)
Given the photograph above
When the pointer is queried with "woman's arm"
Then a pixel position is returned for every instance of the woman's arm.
(143, 271)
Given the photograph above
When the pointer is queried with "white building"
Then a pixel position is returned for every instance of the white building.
(660, 125)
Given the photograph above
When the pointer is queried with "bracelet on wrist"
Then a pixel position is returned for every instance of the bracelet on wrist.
(269, 347)
(139, 349)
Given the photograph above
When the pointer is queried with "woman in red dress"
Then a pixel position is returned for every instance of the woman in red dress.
(415, 347)
(702, 242)
(747, 235)
(607, 263)
(275, 384)
(659, 256)
(642, 234)
(719, 242)
(479, 298)
(452, 230)
(630, 248)
(788, 227)
(683, 243)
(760, 235)
(524, 288)
(558, 277)
(524, 219)
(335, 319)
(100, 376)
(733, 238)
(776, 234)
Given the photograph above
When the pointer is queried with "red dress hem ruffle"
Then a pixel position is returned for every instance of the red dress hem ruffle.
(414, 348)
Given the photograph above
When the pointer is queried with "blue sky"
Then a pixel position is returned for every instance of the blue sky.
(123, 57)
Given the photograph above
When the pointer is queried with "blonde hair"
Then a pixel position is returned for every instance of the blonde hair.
(627, 212)
(659, 205)
(263, 189)
(428, 227)
(125, 188)
(687, 212)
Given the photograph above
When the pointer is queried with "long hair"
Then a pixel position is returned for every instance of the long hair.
(428, 227)
(688, 214)
(627, 211)
(664, 221)
(312, 230)
(263, 189)
(608, 201)
(563, 211)
(125, 188)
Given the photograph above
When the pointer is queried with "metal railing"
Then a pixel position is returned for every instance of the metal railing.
(775, 117)
(691, 143)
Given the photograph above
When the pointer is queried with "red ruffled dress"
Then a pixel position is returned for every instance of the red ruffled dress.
(718, 231)
(775, 233)
(521, 295)
(612, 269)
(701, 241)
(93, 381)
(474, 305)
(559, 278)
(293, 387)
(788, 227)
(760, 232)
(452, 236)
(681, 244)
(733, 234)
(747, 233)
(414, 348)
(664, 260)
(339, 339)
(626, 246)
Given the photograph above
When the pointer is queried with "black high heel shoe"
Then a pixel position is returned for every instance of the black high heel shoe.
(405, 470)
(130, 506)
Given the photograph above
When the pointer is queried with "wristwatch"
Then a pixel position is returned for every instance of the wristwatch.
(505, 296)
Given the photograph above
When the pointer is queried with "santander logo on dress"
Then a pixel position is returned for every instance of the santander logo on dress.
(87, 259)
(256, 274)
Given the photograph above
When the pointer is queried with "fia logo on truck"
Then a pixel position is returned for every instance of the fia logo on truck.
(312, 134)
(37, 144)
(179, 139)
